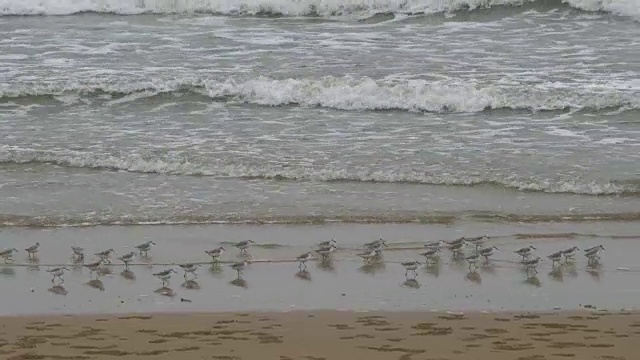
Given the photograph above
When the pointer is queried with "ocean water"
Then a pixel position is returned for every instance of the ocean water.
(428, 111)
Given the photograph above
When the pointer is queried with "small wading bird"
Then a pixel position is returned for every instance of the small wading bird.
(244, 246)
(477, 241)
(487, 252)
(473, 261)
(325, 252)
(326, 244)
(378, 244)
(57, 273)
(239, 267)
(215, 253)
(593, 254)
(456, 242)
(7, 254)
(94, 267)
(127, 258)
(189, 269)
(569, 253)
(105, 255)
(456, 249)
(32, 251)
(431, 255)
(144, 248)
(78, 252)
(368, 256)
(435, 244)
(165, 275)
(556, 258)
(531, 265)
(411, 266)
(302, 259)
(525, 251)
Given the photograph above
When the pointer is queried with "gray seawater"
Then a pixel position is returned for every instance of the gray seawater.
(128, 115)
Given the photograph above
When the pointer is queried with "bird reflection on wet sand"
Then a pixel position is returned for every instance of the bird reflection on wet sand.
(33, 262)
(58, 290)
(557, 274)
(474, 277)
(411, 283)
(96, 284)
(372, 267)
(191, 285)
(326, 265)
(304, 275)
(594, 271)
(165, 291)
(128, 274)
(432, 269)
(533, 280)
(8, 271)
(239, 282)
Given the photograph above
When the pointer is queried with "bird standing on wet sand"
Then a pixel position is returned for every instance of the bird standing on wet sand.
(378, 244)
(7, 254)
(473, 261)
(531, 265)
(477, 241)
(126, 259)
(165, 275)
(32, 251)
(94, 267)
(239, 267)
(368, 256)
(456, 249)
(57, 273)
(487, 252)
(569, 253)
(302, 259)
(431, 255)
(189, 269)
(326, 244)
(556, 257)
(78, 252)
(325, 252)
(244, 246)
(215, 253)
(411, 266)
(105, 255)
(525, 251)
(145, 247)
(456, 242)
(593, 254)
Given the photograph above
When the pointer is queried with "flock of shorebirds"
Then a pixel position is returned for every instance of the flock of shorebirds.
(323, 252)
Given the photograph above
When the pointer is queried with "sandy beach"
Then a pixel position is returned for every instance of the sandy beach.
(324, 335)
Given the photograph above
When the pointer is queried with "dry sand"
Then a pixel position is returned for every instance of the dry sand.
(324, 335)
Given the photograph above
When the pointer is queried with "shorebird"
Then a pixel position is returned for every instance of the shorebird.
(325, 252)
(477, 241)
(78, 252)
(378, 244)
(525, 252)
(189, 268)
(244, 245)
(368, 256)
(411, 266)
(126, 259)
(165, 275)
(94, 267)
(593, 254)
(326, 244)
(456, 249)
(569, 253)
(532, 264)
(431, 255)
(7, 254)
(104, 255)
(145, 247)
(487, 252)
(456, 242)
(239, 267)
(57, 273)
(473, 261)
(215, 253)
(32, 251)
(435, 244)
(302, 259)
(556, 257)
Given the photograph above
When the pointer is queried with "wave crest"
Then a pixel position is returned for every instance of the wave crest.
(139, 164)
(286, 7)
(348, 93)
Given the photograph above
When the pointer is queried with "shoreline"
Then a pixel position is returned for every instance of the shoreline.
(325, 334)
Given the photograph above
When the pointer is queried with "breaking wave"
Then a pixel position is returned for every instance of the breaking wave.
(139, 164)
(287, 7)
(348, 93)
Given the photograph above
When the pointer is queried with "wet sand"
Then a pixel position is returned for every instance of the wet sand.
(274, 283)
(325, 335)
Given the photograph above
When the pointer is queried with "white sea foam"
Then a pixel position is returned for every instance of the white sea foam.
(285, 7)
(139, 164)
(347, 93)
